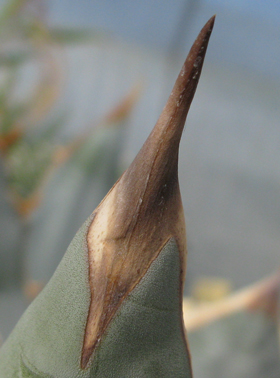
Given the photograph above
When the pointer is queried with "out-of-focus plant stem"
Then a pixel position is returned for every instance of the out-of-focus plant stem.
(259, 296)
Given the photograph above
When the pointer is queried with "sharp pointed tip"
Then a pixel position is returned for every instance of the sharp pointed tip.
(186, 83)
(209, 24)
(144, 209)
(160, 151)
(172, 119)
(212, 20)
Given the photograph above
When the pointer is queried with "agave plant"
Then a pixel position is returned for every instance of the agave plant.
(113, 308)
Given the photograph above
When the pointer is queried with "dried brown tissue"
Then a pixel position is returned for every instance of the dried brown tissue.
(143, 210)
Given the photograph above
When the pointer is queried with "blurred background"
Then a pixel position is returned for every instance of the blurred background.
(81, 86)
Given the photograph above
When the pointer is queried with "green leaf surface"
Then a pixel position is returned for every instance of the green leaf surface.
(113, 308)
(50, 333)
(27, 372)
(145, 339)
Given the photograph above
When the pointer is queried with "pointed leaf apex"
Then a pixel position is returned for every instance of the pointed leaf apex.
(178, 104)
(143, 211)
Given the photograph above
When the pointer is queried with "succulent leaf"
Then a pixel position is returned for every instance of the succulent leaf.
(27, 372)
(113, 308)
(143, 210)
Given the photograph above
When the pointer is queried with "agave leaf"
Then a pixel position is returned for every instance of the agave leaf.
(30, 372)
(114, 305)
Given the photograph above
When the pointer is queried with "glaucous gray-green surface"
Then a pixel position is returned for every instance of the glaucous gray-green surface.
(145, 338)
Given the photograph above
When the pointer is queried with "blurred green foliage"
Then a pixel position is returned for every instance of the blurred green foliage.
(32, 154)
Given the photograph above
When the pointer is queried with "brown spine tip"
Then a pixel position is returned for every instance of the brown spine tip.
(179, 102)
(143, 210)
